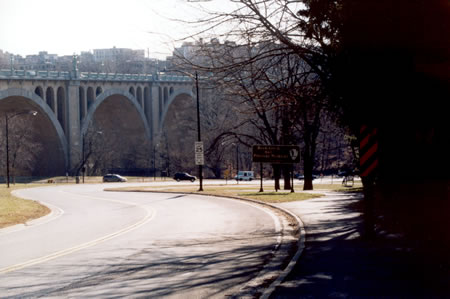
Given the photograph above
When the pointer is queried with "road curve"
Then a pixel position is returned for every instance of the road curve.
(115, 244)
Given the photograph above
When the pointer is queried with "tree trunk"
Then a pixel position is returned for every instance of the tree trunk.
(287, 176)
(308, 169)
(276, 173)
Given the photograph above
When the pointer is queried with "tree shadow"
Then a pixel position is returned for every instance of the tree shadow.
(338, 262)
(163, 269)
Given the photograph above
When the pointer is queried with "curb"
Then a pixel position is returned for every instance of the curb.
(300, 243)
(300, 247)
(55, 212)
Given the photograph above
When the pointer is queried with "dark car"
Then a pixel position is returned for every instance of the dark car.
(113, 178)
(301, 177)
(183, 176)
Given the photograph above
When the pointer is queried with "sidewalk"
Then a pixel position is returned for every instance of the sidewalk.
(338, 263)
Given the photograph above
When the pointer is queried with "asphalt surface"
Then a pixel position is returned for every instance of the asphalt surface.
(338, 263)
(114, 244)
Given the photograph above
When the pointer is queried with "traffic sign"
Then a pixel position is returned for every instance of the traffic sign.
(368, 147)
(276, 154)
(199, 157)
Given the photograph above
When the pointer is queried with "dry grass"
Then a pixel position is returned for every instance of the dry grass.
(243, 191)
(280, 196)
(14, 210)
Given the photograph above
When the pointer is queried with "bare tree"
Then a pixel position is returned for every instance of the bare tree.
(278, 63)
(24, 148)
(92, 142)
(276, 93)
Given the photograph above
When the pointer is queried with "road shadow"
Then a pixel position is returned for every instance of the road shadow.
(163, 269)
(338, 263)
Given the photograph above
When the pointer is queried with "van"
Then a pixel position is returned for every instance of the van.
(244, 176)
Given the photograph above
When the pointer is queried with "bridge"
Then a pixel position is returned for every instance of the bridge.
(68, 104)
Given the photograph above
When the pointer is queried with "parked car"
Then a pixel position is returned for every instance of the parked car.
(184, 176)
(113, 178)
(244, 176)
(301, 177)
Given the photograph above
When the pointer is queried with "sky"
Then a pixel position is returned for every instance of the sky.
(66, 27)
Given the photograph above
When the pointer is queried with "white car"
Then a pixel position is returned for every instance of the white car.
(244, 176)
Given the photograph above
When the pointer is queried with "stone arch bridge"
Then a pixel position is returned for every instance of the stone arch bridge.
(68, 101)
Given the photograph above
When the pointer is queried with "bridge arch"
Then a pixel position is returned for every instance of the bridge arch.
(39, 91)
(61, 107)
(50, 98)
(82, 102)
(187, 91)
(148, 106)
(103, 97)
(43, 109)
(139, 95)
(166, 97)
(98, 91)
(131, 90)
(90, 97)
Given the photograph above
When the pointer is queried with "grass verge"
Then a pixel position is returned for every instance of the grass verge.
(279, 197)
(14, 210)
(249, 192)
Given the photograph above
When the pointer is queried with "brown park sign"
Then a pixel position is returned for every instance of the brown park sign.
(276, 154)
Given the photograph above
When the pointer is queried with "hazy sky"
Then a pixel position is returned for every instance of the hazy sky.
(65, 27)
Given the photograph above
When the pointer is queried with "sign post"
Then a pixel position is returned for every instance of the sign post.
(199, 156)
(199, 160)
(276, 154)
(261, 175)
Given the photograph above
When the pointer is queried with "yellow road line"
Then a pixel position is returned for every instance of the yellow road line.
(150, 214)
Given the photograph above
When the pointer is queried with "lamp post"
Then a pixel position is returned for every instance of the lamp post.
(7, 119)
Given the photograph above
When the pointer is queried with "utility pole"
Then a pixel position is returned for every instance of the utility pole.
(200, 167)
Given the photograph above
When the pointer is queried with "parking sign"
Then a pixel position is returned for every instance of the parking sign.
(199, 157)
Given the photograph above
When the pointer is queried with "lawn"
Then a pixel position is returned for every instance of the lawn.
(242, 191)
(15, 210)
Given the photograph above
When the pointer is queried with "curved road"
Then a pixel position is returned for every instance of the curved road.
(115, 244)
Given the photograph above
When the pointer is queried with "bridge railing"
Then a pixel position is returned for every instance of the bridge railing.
(116, 77)
(30, 74)
(174, 78)
(60, 75)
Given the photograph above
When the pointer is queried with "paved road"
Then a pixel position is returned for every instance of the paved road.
(338, 263)
(112, 244)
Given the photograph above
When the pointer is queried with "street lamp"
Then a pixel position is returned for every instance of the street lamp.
(7, 119)
(199, 139)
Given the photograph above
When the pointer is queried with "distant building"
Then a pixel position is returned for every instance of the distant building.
(5, 59)
(186, 50)
(199, 53)
(114, 60)
(114, 53)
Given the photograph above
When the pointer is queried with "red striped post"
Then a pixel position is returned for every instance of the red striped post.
(368, 146)
(368, 163)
